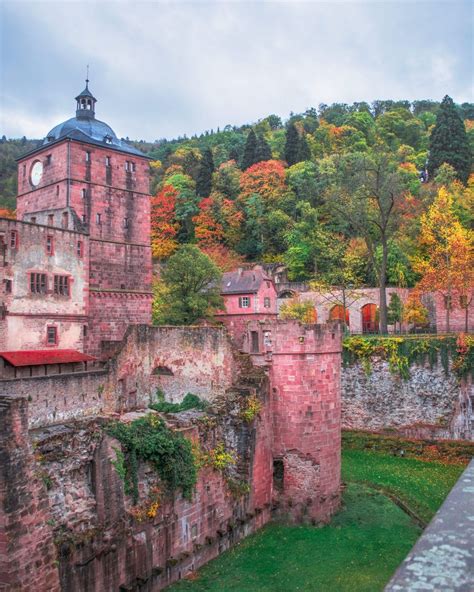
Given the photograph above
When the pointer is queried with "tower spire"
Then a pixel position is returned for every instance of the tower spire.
(87, 77)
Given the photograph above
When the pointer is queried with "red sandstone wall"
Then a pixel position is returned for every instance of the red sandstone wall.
(27, 552)
(457, 315)
(176, 360)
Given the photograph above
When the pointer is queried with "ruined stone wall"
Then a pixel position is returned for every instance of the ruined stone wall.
(428, 404)
(61, 398)
(175, 360)
(102, 544)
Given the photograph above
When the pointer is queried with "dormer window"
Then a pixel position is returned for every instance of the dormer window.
(50, 138)
(108, 139)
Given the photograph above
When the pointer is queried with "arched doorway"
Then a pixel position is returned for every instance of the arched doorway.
(370, 321)
(337, 314)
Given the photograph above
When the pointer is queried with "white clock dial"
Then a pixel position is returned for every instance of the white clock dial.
(36, 173)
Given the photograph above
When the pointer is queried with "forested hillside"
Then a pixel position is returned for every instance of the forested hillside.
(336, 193)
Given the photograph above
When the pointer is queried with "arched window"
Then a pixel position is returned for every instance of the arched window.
(370, 322)
(337, 314)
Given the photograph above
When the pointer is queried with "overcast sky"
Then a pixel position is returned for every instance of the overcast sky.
(163, 69)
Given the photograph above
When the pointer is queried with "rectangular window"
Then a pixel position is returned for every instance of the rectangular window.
(79, 249)
(48, 160)
(244, 302)
(49, 245)
(266, 302)
(14, 239)
(127, 166)
(51, 335)
(84, 193)
(132, 167)
(57, 190)
(254, 342)
(84, 330)
(88, 156)
(8, 286)
(98, 219)
(61, 285)
(125, 223)
(84, 219)
(65, 220)
(33, 219)
(24, 170)
(107, 161)
(38, 283)
(51, 220)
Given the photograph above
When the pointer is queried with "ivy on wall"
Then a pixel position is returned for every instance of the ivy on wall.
(149, 439)
(402, 352)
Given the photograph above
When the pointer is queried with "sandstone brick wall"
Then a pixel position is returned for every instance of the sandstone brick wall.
(62, 398)
(27, 553)
(176, 360)
(428, 404)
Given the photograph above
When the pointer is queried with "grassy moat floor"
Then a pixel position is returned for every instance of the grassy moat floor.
(393, 486)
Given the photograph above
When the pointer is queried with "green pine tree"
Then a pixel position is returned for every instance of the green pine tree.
(292, 145)
(395, 310)
(449, 142)
(304, 153)
(250, 149)
(204, 178)
(263, 150)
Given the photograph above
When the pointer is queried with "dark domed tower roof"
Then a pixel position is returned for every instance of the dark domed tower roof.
(86, 128)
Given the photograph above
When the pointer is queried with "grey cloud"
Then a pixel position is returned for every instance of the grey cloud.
(166, 69)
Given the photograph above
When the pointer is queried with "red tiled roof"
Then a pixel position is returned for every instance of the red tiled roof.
(44, 356)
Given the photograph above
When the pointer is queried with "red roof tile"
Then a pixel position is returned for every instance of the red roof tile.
(45, 356)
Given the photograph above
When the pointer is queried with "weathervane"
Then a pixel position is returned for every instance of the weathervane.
(87, 76)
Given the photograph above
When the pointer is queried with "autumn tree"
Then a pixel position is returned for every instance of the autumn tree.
(204, 178)
(189, 289)
(164, 226)
(449, 142)
(300, 310)
(267, 179)
(365, 194)
(446, 263)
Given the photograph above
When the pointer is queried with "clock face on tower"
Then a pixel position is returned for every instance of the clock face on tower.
(36, 173)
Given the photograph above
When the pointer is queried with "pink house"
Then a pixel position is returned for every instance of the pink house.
(249, 295)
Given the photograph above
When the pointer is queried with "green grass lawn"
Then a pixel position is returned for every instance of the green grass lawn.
(357, 552)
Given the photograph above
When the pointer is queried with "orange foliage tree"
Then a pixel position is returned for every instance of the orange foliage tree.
(447, 264)
(266, 178)
(164, 226)
(6, 213)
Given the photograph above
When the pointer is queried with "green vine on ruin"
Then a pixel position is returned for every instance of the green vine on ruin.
(148, 439)
(402, 352)
(190, 401)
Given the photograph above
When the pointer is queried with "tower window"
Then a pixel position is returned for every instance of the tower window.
(8, 286)
(84, 219)
(126, 223)
(61, 285)
(51, 335)
(84, 193)
(14, 239)
(65, 220)
(127, 166)
(38, 283)
(24, 169)
(98, 220)
(50, 219)
(57, 190)
(88, 156)
(49, 245)
(132, 167)
(48, 160)
(107, 161)
(79, 249)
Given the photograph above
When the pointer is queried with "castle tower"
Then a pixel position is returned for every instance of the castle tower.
(83, 178)
(304, 363)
